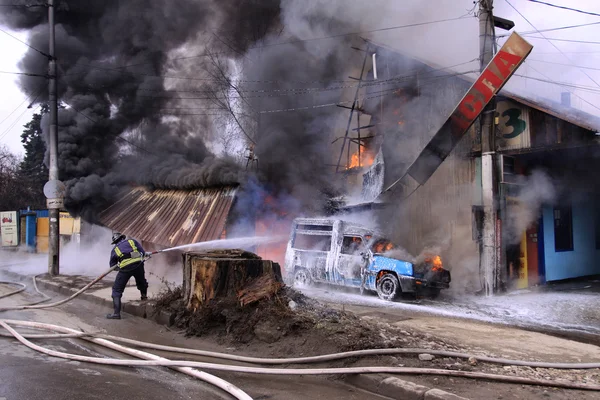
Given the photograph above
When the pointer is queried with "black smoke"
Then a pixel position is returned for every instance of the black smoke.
(169, 94)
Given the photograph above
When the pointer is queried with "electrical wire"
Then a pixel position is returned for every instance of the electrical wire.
(551, 29)
(15, 122)
(29, 99)
(555, 46)
(574, 94)
(24, 5)
(565, 8)
(565, 84)
(565, 65)
(390, 81)
(317, 38)
(117, 137)
(563, 40)
(26, 44)
(23, 73)
(384, 93)
(403, 79)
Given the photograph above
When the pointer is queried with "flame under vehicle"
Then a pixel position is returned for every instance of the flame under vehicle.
(346, 254)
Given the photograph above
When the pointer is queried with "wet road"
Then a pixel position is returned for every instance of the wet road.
(27, 374)
(572, 312)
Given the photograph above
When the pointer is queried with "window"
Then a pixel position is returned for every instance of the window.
(563, 228)
(382, 245)
(328, 228)
(312, 242)
(352, 245)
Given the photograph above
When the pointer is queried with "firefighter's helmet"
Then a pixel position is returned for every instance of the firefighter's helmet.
(117, 237)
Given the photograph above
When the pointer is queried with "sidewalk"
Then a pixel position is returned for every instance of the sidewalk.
(99, 293)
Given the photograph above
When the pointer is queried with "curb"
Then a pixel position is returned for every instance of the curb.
(135, 308)
(399, 389)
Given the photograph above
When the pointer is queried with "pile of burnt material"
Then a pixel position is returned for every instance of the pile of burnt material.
(227, 274)
(235, 296)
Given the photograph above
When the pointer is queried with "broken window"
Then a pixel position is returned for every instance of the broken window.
(352, 245)
(563, 228)
(312, 242)
(382, 245)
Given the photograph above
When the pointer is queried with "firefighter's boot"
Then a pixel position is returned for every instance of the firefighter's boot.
(117, 309)
(144, 294)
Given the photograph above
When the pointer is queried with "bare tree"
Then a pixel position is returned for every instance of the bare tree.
(14, 193)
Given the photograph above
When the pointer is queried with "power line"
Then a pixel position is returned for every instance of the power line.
(553, 29)
(565, 65)
(26, 44)
(24, 5)
(117, 137)
(23, 73)
(297, 92)
(554, 82)
(556, 47)
(563, 40)
(28, 98)
(382, 94)
(566, 84)
(316, 38)
(15, 123)
(565, 8)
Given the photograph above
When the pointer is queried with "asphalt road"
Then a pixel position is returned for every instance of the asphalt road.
(27, 374)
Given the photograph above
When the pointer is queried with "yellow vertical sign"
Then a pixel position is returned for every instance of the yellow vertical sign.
(522, 281)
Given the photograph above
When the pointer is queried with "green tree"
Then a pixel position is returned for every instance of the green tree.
(32, 170)
(13, 193)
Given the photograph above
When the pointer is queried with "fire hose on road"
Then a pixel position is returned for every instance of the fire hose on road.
(186, 366)
(152, 360)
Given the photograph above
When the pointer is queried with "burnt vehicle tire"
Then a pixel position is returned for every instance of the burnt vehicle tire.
(388, 287)
(302, 277)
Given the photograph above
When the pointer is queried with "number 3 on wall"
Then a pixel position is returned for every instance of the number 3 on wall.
(518, 125)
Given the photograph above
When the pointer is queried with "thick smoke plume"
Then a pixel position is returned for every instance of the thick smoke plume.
(170, 95)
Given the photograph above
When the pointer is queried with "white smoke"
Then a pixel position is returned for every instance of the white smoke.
(535, 190)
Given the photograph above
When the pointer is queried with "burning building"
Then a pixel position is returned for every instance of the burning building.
(547, 216)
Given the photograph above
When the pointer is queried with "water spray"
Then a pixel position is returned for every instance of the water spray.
(225, 243)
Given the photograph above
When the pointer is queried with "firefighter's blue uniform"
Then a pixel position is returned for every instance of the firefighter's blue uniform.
(128, 254)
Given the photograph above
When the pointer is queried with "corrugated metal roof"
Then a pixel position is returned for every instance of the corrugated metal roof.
(171, 217)
(572, 115)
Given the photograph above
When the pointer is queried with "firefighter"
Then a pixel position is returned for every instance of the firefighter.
(129, 255)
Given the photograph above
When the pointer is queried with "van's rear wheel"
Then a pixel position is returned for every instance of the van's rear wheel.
(388, 287)
(302, 277)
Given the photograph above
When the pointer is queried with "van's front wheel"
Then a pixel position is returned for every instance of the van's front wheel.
(302, 277)
(388, 287)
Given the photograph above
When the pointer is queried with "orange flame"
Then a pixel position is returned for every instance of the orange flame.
(366, 159)
(436, 261)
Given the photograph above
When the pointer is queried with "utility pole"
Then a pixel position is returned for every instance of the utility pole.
(489, 254)
(55, 203)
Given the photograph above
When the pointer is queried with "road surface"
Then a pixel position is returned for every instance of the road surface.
(27, 374)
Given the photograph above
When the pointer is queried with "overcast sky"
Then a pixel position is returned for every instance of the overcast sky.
(442, 44)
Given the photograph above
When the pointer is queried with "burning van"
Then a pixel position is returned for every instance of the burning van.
(346, 254)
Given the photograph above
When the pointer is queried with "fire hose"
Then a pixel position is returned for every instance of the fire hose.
(58, 303)
(298, 360)
(152, 360)
(183, 366)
